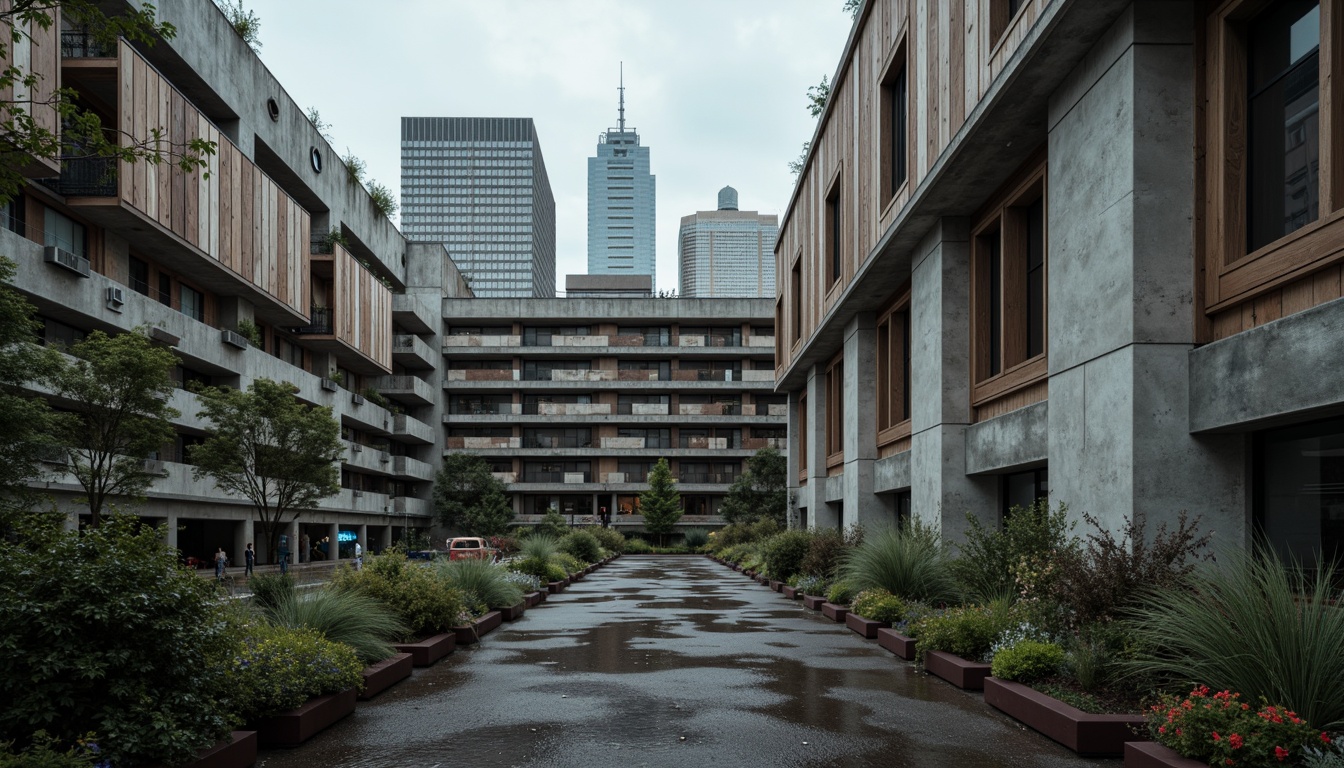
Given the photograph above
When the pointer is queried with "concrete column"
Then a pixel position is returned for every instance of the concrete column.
(820, 514)
(941, 494)
(292, 531)
(333, 544)
(242, 533)
(793, 463)
(384, 537)
(1121, 264)
(862, 505)
(170, 531)
(363, 533)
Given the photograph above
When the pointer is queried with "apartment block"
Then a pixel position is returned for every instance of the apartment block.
(276, 235)
(573, 401)
(1089, 251)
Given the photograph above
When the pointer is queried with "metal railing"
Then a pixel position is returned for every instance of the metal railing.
(717, 478)
(320, 322)
(88, 177)
(83, 45)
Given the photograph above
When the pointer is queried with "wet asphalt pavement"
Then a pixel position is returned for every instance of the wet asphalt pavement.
(674, 661)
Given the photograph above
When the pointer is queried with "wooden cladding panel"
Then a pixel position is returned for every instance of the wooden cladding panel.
(951, 63)
(1301, 294)
(1020, 398)
(37, 51)
(237, 215)
(363, 309)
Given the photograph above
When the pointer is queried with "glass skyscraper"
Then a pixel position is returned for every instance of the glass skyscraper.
(621, 198)
(478, 185)
(727, 253)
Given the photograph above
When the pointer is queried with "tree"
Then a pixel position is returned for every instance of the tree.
(493, 515)
(460, 490)
(271, 449)
(796, 166)
(246, 23)
(852, 7)
(26, 133)
(817, 96)
(759, 492)
(661, 504)
(26, 421)
(118, 387)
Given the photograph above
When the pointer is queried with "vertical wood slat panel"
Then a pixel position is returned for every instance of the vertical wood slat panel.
(151, 111)
(165, 172)
(138, 110)
(179, 211)
(125, 110)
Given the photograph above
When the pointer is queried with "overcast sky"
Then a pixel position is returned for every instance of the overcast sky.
(716, 88)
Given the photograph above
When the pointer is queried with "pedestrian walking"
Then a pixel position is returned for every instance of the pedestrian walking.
(221, 561)
(359, 556)
(284, 553)
(249, 559)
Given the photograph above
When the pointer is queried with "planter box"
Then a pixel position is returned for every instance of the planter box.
(489, 623)
(834, 612)
(899, 644)
(966, 675)
(776, 585)
(513, 612)
(813, 601)
(238, 751)
(790, 592)
(866, 627)
(292, 728)
(471, 633)
(1150, 754)
(533, 599)
(426, 652)
(555, 587)
(1086, 734)
(385, 674)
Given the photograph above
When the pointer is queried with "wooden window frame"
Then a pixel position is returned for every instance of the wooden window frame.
(1002, 18)
(1231, 274)
(892, 338)
(796, 301)
(896, 72)
(802, 437)
(1004, 221)
(835, 412)
(833, 233)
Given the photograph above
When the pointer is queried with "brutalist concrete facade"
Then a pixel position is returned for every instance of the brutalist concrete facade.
(1150, 398)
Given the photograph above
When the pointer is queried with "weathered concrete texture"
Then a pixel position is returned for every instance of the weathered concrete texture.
(1273, 372)
(941, 493)
(834, 486)
(892, 473)
(940, 327)
(675, 662)
(1014, 440)
(860, 439)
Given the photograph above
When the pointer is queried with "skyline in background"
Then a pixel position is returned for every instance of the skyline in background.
(720, 103)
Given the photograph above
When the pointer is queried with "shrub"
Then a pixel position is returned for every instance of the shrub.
(812, 586)
(915, 613)
(1094, 654)
(731, 536)
(879, 605)
(968, 632)
(784, 552)
(278, 668)
(1027, 660)
(637, 546)
(841, 593)
(355, 619)
(1256, 625)
(1219, 729)
(990, 557)
(269, 589)
(539, 545)
(824, 553)
(525, 582)
(763, 529)
(552, 524)
(568, 562)
(611, 539)
(908, 562)
(482, 578)
(1098, 583)
(423, 603)
(543, 570)
(104, 631)
(582, 545)
(696, 538)
(43, 751)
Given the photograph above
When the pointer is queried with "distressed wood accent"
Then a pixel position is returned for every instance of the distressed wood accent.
(1296, 296)
(362, 309)
(36, 51)
(1019, 398)
(894, 447)
(238, 216)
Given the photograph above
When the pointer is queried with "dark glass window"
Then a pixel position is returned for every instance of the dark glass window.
(165, 290)
(833, 223)
(1036, 278)
(898, 130)
(1283, 121)
(139, 276)
(193, 302)
(1299, 490)
(995, 305)
(1022, 489)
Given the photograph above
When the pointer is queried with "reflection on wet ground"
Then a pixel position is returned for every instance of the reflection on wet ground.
(674, 661)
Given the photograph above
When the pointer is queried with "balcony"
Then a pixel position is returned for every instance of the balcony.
(646, 409)
(409, 505)
(484, 409)
(571, 478)
(709, 409)
(767, 342)
(757, 443)
(88, 177)
(573, 409)
(713, 340)
(707, 443)
(564, 374)
(481, 443)
(758, 376)
(416, 313)
(411, 430)
(624, 442)
(701, 374)
(707, 478)
(412, 352)
(411, 469)
(406, 389)
(458, 341)
(356, 327)
(481, 374)
(557, 441)
(505, 477)
(319, 322)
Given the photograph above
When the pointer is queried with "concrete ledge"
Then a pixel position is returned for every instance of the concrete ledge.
(902, 646)
(1150, 754)
(425, 652)
(385, 674)
(489, 623)
(292, 728)
(966, 675)
(891, 473)
(777, 586)
(834, 612)
(1015, 439)
(1086, 734)
(867, 628)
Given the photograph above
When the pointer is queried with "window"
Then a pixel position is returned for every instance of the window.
(1299, 491)
(165, 290)
(834, 235)
(1001, 15)
(796, 299)
(895, 125)
(1009, 340)
(835, 412)
(1022, 489)
(802, 437)
(893, 370)
(139, 281)
(63, 232)
(193, 302)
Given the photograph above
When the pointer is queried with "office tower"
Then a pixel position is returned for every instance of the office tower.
(727, 253)
(478, 185)
(621, 195)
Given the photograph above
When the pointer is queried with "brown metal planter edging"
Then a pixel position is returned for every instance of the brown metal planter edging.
(813, 601)
(866, 628)
(1087, 734)
(789, 592)
(292, 728)
(239, 750)
(834, 612)
(967, 675)
(431, 649)
(385, 674)
(1150, 754)
(902, 646)
(513, 612)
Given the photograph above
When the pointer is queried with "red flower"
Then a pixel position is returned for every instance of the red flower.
(1325, 738)
(1281, 754)
(1235, 740)
(1216, 737)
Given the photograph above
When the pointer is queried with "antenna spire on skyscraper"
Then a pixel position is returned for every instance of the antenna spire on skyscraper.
(622, 90)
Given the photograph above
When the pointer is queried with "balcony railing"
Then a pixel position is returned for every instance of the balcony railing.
(320, 322)
(83, 45)
(557, 477)
(322, 246)
(403, 340)
(548, 441)
(88, 177)
(712, 478)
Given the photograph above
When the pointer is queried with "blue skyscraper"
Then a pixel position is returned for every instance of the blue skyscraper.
(621, 195)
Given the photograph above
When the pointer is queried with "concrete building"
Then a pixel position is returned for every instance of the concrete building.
(622, 195)
(1033, 267)
(574, 400)
(608, 286)
(727, 253)
(479, 186)
(348, 311)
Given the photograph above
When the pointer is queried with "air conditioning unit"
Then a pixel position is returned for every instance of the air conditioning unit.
(233, 338)
(356, 398)
(329, 385)
(63, 258)
(356, 448)
(116, 297)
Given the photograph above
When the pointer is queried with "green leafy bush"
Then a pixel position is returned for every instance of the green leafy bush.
(552, 524)
(990, 557)
(569, 563)
(968, 632)
(696, 538)
(879, 605)
(825, 551)
(812, 586)
(544, 570)
(1027, 660)
(611, 539)
(43, 751)
(637, 546)
(582, 545)
(841, 593)
(278, 668)
(908, 562)
(1220, 729)
(482, 578)
(423, 603)
(103, 631)
(352, 618)
(784, 552)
